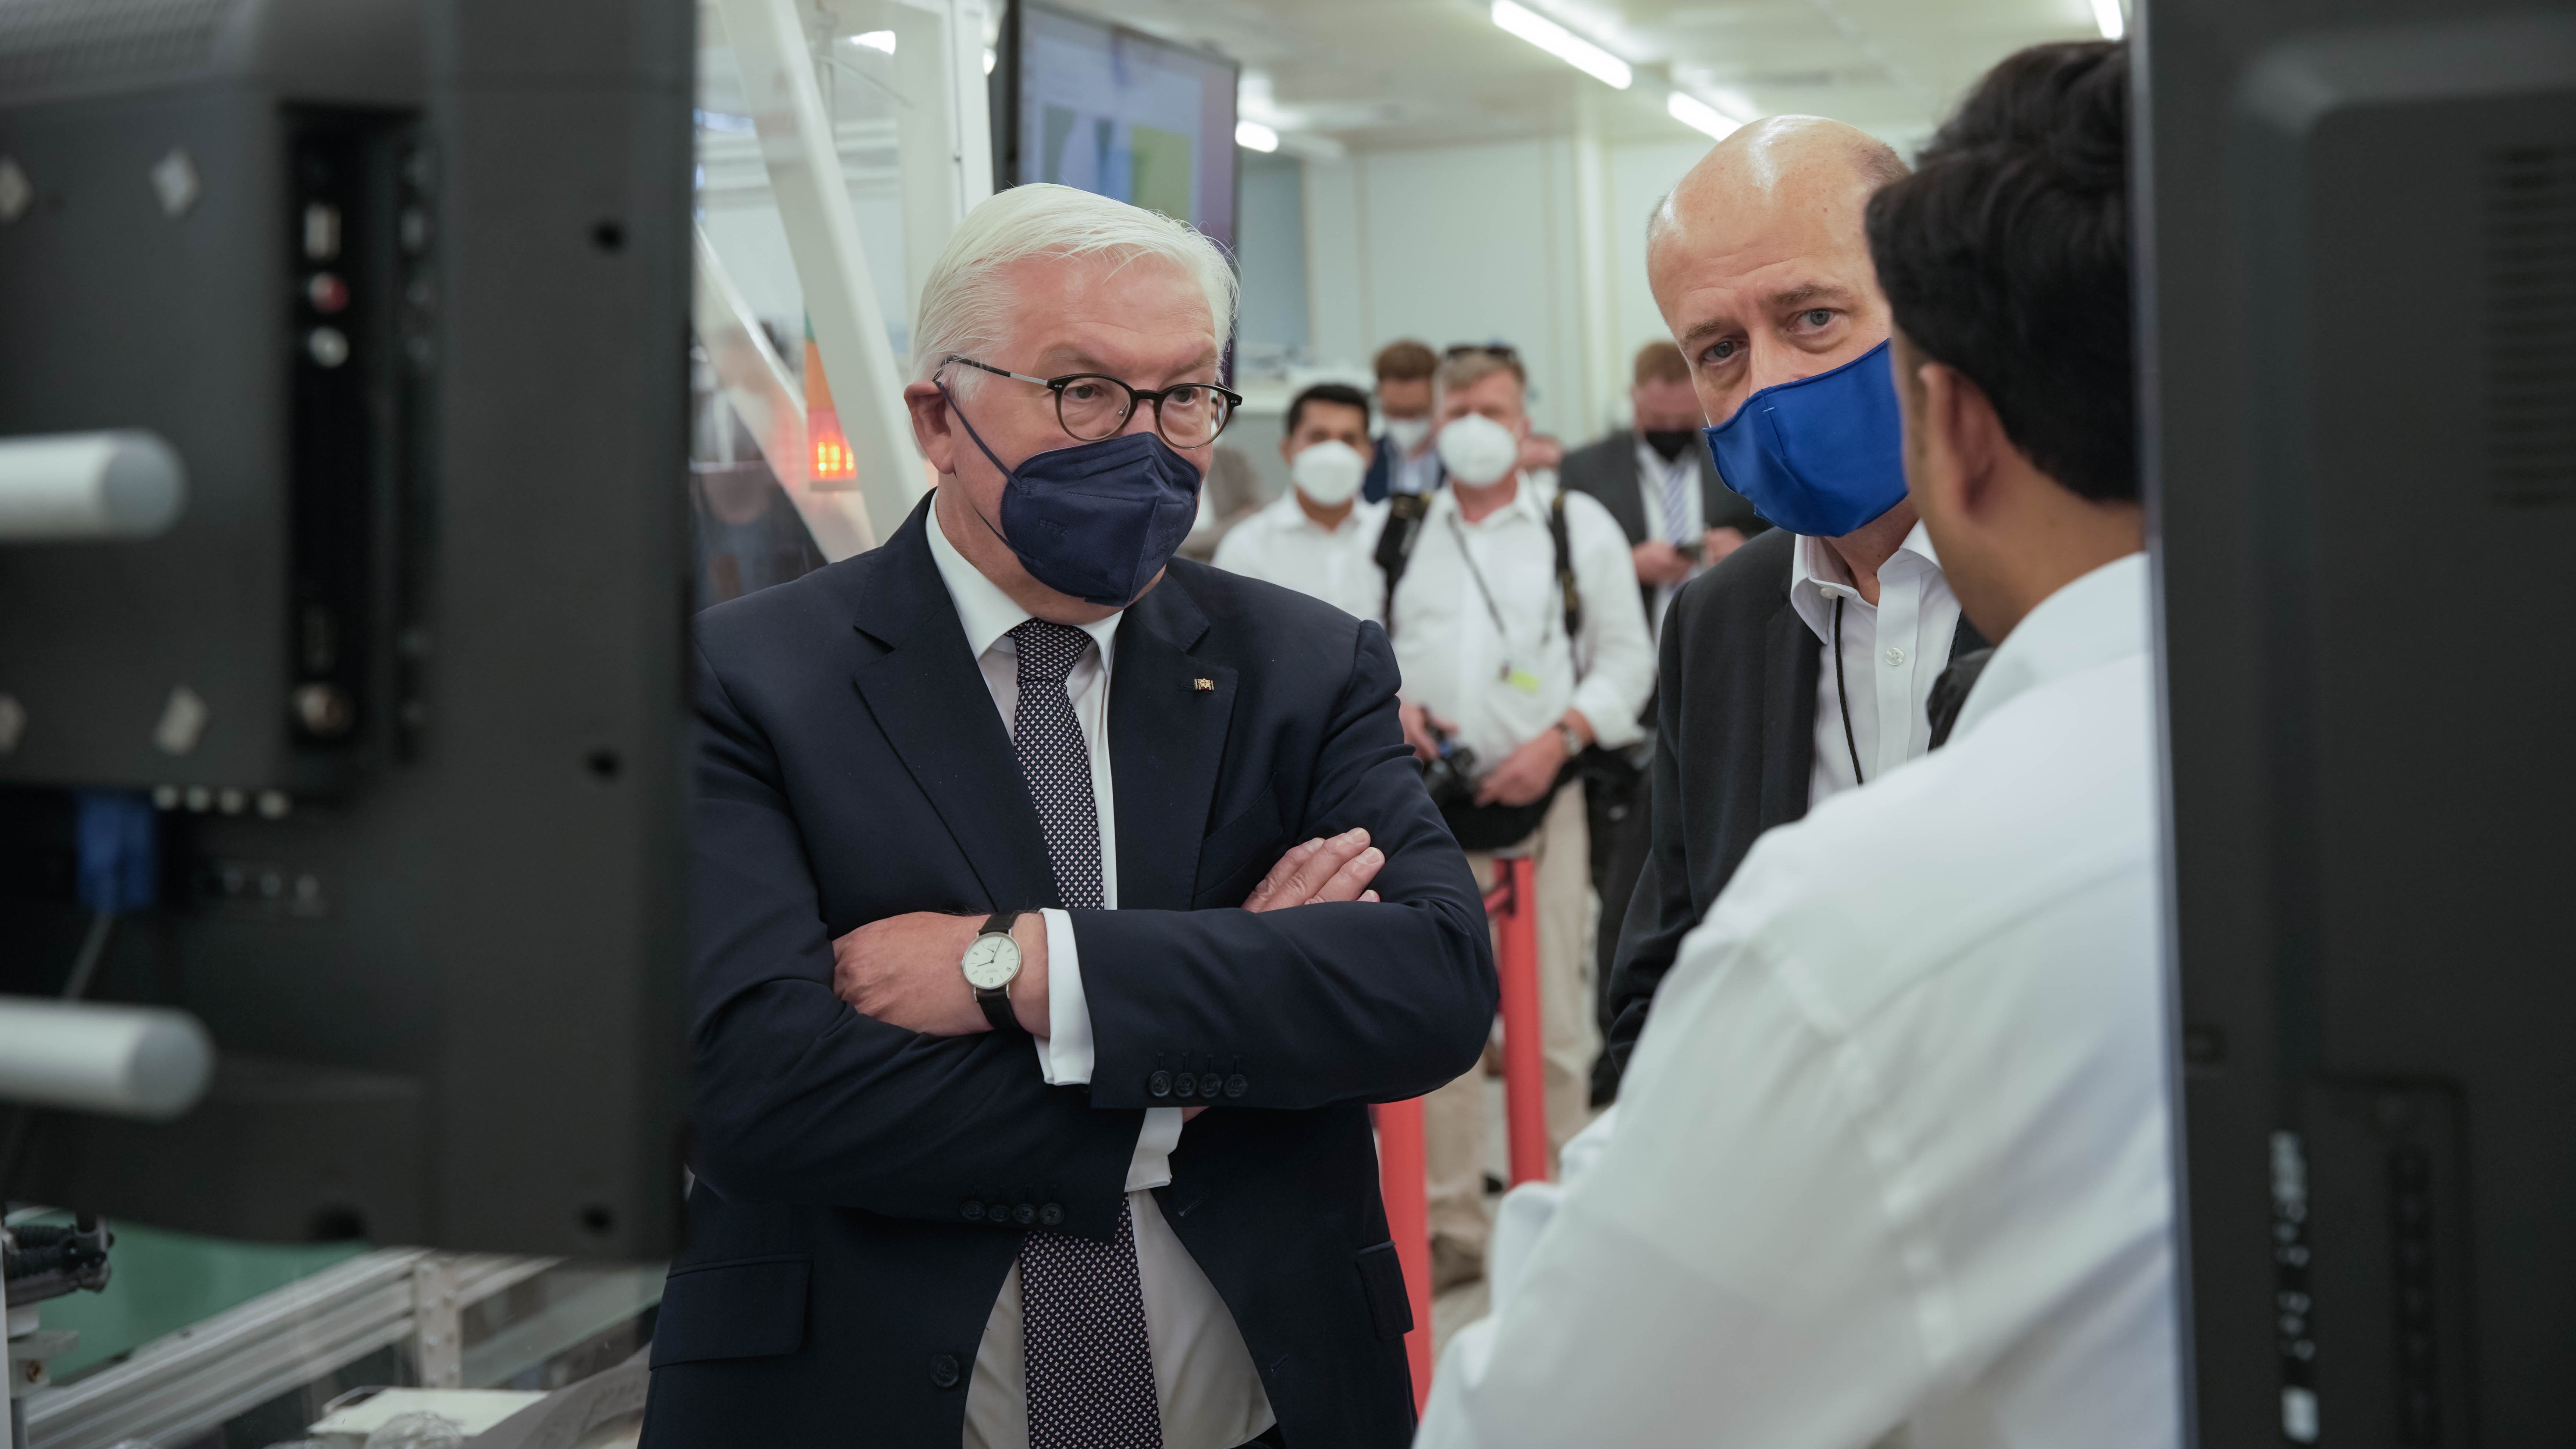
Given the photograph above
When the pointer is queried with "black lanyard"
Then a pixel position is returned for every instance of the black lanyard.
(1468, 556)
(1842, 692)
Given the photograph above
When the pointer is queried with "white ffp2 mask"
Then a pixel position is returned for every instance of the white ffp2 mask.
(1477, 450)
(1408, 432)
(1328, 472)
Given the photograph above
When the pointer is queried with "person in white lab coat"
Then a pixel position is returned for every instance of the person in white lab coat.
(1891, 1165)
(1318, 537)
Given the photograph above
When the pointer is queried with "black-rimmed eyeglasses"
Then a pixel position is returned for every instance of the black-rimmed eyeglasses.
(1093, 407)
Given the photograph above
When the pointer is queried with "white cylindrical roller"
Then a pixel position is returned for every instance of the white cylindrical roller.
(126, 1061)
(69, 486)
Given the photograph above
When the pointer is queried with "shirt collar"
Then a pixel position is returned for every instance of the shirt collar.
(1525, 501)
(986, 612)
(1290, 513)
(2098, 618)
(1817, 575)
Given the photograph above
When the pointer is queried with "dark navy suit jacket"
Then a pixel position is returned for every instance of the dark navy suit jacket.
(860, 1187)
(1380, 480)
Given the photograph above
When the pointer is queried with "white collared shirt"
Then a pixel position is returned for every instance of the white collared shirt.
(1653, 476)
(1210, 1393)
(1282, 545)
(1893, 653)
(1414, 472)
(1891, 1163)
(1453, 658)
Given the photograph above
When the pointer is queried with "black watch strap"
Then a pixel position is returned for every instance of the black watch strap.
(997, 1004)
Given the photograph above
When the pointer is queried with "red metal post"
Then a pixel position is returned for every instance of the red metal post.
(1403, 1179)
(1524, 1060)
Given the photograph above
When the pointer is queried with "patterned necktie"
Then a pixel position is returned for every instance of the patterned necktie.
(1676, 502)
(1090, 1370)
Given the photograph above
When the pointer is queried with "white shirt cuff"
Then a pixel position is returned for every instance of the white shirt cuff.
(1064, 1053)
(1152, 1164)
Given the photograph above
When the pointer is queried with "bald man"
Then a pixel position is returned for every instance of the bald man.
(1804, 666)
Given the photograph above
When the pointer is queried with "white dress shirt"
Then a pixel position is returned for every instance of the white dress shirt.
(1893, 653)
(1890, 1166)
(1282, 545)
(1654, 475)
(1455, 662)
(1210, 1393)
(1415, 472)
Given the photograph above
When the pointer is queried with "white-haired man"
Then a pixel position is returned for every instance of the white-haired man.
(977, 934)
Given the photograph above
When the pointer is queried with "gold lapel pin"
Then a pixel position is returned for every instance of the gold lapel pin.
(1203, 685)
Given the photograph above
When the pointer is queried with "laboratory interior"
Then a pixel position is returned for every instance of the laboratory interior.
(1767, 783)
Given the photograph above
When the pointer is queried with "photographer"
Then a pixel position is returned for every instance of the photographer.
(1522, 639)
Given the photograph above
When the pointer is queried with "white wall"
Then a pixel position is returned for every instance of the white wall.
(1468, 243)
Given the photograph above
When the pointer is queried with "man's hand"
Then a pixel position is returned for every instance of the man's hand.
(1659, 562)
(1419, 722)
(905, 971)
(1526, 774)
(1718, 543)
(1338, 869)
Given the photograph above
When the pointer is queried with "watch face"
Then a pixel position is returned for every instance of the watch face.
(992, 962)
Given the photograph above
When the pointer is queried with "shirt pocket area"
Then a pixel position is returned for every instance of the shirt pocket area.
(741, 1308)
(1382, 1283)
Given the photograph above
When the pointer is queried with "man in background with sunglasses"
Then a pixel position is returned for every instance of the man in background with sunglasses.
(1061, 907)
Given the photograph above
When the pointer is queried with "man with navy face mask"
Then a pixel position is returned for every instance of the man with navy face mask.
(1804, 665)
(1032, 1047)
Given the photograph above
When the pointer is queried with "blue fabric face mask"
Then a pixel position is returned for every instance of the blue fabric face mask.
(1098, 520)
(1821, 456)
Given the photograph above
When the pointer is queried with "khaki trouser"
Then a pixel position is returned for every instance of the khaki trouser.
(1453, 1118)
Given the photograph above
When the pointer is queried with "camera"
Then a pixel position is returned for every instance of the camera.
(1450, 775)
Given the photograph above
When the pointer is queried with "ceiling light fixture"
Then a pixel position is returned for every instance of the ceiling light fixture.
(1254, 136)
(989, 60)
(876, 40)
(1699, 115)
(1565, 45)
(2107, 16)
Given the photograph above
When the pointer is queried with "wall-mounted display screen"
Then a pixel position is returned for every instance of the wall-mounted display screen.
(1120, 113)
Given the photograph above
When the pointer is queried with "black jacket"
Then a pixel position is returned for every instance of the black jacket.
(839, 1263)
(1735, 752)
(1607, 470)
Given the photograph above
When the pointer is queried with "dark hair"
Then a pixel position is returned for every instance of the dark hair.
(1328, 392)
(2006, 256)
(1406, 360)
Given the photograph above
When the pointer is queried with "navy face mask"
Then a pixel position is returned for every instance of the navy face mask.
(1821, 456)
(1099, 520)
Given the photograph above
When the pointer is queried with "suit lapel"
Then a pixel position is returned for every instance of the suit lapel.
(1168, 714)
(932, 704)
(1791, 659)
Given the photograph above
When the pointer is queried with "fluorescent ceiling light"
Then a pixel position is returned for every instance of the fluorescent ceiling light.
(1254, 136)
(877, 40)
(1699, 115)
(989, 60)
(1567, 46)
(2106, 15)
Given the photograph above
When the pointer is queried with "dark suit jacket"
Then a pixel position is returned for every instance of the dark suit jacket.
(1381, 474)
(1607, 469)
(1735, 752)
(840, 1257)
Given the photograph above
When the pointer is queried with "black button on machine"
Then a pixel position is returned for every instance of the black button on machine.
(974, 1211)
(1159, 1085)
(1024, 1214)
(1210, 1085)
(1185, 1085)
(943, 1370)
(1050, 1215)
(1236, 1085)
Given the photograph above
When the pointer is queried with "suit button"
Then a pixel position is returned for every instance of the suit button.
(974, 1211)
(1159, 1085)
(1024, 1214)
(1236, 1085)
(943, 1370)
(1185, 1085)
(1050, 1215)
(1210, 1085)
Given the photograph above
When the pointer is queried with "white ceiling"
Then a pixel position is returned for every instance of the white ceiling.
(1372, 74)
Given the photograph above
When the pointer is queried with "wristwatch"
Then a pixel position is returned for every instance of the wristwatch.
(1573, 742)
(992, 963)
